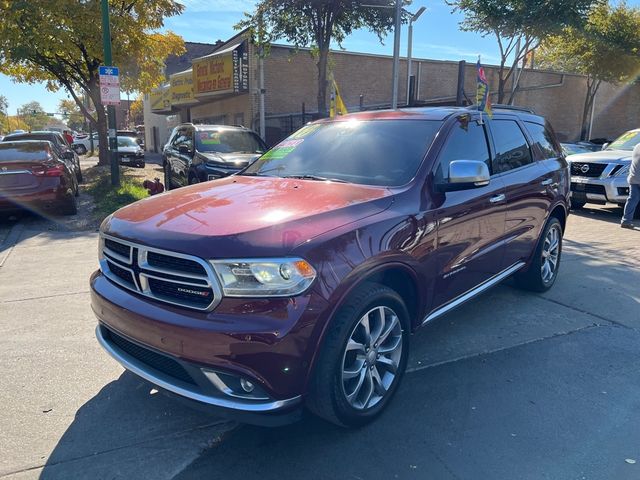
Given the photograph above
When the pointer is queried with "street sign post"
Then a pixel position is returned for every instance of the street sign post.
(111, 109)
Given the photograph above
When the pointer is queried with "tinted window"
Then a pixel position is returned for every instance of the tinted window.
(543, 139)
(228, 141)
(512, 150)
(468, 141)
(21, 152)
(127, 142)
(376, 152)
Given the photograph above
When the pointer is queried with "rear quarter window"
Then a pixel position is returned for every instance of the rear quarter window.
(544, 141)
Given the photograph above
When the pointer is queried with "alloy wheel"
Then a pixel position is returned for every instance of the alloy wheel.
(550, 254)
(371, 358)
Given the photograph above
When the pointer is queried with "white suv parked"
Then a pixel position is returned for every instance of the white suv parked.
(601, 177)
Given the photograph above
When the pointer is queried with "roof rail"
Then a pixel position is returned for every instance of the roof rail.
(513, 107)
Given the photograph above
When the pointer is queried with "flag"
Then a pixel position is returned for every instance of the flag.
(337, 106)
(482, 93)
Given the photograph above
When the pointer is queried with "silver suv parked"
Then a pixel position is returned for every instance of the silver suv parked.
(601, 177)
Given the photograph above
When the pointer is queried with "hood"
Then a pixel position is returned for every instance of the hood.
(603, 156)
(239, 160)
(243, 216)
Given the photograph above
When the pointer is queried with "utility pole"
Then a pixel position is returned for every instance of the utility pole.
(111, 110)
(409, 45)
(396, 56)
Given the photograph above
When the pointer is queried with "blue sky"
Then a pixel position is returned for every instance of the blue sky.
(436, 36)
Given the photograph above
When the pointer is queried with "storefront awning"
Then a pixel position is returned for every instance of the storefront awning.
(222, 72)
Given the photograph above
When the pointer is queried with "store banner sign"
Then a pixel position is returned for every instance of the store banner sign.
(182, 88)
(221, 73)
(161, 99)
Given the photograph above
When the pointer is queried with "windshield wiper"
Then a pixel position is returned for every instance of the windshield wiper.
(315, 177)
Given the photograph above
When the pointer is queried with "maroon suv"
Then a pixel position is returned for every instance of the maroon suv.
(299, 280)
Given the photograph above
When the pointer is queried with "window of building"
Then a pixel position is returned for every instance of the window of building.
(512, 149)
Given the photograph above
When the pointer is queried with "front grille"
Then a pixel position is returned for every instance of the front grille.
(177, 291)
(588, 188)
(157, 361)
(119, 248)
(592, 170)
(164, 276)
(160, 260)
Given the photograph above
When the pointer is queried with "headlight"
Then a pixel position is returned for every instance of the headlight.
(269, 277)
(623, 172)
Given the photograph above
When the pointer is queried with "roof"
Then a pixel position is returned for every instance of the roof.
(428, 113)
(180, 63)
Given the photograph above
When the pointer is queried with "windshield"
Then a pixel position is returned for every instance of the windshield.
(572, 149)
(626, 141)
(376, 152)
(127, 142)
(228, 141)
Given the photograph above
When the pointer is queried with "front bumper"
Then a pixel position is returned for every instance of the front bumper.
(599, 190)
(268, 342)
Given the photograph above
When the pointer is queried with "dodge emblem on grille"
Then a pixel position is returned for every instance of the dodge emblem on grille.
(193, 292)
(584, 168)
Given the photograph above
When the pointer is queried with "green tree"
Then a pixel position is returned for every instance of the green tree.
(4, 105)
(519, 23)
(316, 24)
(607, 49)
(71, 113)
(33, 115)
(60, 42)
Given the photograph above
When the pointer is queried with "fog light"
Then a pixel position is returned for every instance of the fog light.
(246, 385)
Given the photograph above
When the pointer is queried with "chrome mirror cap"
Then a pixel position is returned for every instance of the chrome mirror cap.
(469, 172)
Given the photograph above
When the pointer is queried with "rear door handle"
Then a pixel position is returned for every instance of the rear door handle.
(498, 198)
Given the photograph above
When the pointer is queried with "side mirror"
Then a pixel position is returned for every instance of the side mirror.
(604, 146)
(184, 150)
(68, 155)
(467, 174)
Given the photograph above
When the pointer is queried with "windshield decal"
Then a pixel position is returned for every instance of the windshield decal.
(305, 131)
(210, 138)
(282, 149)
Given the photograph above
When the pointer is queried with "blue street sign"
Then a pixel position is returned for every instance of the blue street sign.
(112, 71)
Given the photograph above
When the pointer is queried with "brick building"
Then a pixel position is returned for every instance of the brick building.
(365, 82)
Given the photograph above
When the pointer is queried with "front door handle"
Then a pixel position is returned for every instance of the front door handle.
(546, 182)
(498, 198)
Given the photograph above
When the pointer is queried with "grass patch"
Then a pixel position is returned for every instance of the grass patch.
(108, 199)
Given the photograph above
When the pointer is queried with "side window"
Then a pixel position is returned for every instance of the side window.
(467, 141)
(544, 140)
(184, 136)
(512, 149)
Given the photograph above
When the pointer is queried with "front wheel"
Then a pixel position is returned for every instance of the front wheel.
(577, 205)
(363, 358)
(167, 177)
(543, 271)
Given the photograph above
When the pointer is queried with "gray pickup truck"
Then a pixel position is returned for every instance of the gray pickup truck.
(601, 177)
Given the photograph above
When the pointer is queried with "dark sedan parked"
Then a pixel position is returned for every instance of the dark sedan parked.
(197, 153)
(58, 142)
(34, 177)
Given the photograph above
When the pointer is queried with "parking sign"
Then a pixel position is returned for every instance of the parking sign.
(109, 85)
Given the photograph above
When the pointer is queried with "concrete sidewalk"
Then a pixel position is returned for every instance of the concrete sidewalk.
(70, 411)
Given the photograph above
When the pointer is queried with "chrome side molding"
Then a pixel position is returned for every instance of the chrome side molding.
(473, 292)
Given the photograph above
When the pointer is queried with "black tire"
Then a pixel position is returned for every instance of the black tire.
(81, 150)
(533, 278)
(327, 397)
(577, 205)
(79, 174)
(193, 179)
(167, 177)
(71, 206)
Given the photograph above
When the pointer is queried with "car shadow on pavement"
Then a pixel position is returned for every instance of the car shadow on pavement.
(607, 213)
(127, 432)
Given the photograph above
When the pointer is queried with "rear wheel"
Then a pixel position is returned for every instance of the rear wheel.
(363, 358)
(543, 271)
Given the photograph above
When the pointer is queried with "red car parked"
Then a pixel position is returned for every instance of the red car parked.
(299, 280)
(34, 177)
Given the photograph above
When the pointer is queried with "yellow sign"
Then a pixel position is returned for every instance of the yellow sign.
(161, 99)
(213, 75)
(182, 88)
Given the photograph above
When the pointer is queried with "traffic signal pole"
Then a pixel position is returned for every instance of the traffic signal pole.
(111, 110)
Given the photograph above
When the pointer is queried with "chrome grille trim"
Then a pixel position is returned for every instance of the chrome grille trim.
(146, 271)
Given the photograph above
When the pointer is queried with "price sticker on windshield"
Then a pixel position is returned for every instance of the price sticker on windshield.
(282, 149)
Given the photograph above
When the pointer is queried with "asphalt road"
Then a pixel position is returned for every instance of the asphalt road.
(511, 386)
